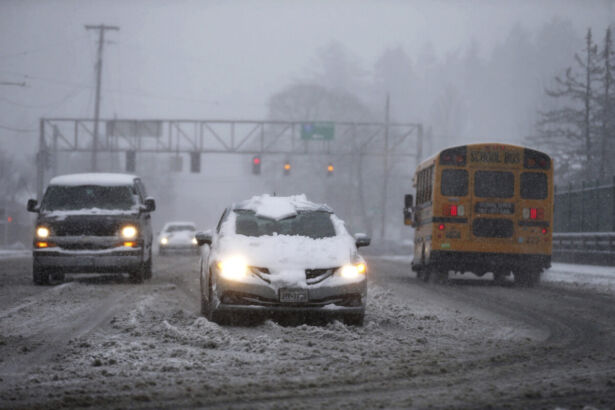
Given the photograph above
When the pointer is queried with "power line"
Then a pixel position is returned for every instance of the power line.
(48, 47)
(64, 99)
(5, 127)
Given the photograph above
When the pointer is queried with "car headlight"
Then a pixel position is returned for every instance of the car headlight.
(233, 268)
(194, 241)
(42, 232)
(164, 240)
(129, 232)
(353, 271)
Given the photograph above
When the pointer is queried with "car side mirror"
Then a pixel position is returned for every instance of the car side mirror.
(33, 205)
(362, 240)
(203, 238)
(149, 205)
(408, 210)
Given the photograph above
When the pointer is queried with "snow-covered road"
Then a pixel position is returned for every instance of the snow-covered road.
(105, 342)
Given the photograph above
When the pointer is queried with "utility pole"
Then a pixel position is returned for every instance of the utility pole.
(385, 186)
(101, 41)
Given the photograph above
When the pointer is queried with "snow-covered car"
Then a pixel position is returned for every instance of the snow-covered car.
(282, 254)
(93, 223)
(177, 237)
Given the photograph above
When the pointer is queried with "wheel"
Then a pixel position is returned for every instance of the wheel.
(354, 319)
(39, 275)
(147, 274)
(57, 276)
(499, 277)
(138, 275)
(423, 274)
(528, 278)
(437, 276)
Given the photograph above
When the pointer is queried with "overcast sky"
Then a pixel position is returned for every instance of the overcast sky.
(223, 59)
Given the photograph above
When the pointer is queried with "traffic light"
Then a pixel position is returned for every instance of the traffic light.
(195, 162)
(256, 165)
(330, 169)
(131, 161)
(287, 168)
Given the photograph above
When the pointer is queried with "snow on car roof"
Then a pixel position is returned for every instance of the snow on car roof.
(94, 178)
(280, 207)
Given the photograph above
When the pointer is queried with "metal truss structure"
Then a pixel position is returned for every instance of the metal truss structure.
(255, 137)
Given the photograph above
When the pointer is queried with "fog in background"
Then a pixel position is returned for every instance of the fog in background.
(467, 71)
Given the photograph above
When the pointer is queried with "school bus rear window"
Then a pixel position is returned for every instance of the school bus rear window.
(534, 185)
(454, 182)
(494, 184)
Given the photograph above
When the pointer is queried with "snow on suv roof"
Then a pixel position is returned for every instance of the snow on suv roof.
(105, 179)
(280, 207)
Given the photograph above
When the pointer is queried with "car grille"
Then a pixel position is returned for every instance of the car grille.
(314, 276)
(260, 272)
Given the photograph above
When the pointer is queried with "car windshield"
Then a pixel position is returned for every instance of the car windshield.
(180, 228)
(313, 224)
(66, 198)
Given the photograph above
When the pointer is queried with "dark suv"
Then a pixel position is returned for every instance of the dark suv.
(94, 223)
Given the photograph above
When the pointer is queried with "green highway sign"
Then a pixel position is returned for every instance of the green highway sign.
(317, 131)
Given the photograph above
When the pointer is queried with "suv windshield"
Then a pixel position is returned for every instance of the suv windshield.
(313, 224)
(66, 198)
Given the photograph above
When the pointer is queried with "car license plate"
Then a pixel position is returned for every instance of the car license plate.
(293, 295)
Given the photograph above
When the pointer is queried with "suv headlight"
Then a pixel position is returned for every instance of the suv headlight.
(129, 232)
(42, 232)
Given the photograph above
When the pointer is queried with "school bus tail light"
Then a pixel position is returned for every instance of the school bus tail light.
(441, 227)
(453, 210)
(533, 213)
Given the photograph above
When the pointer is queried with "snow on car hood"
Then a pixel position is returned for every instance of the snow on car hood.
(286, 256)
(284, 251)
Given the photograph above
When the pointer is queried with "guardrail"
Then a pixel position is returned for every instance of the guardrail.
(594, 248)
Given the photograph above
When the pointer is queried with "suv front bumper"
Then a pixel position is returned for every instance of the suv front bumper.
(88, 255)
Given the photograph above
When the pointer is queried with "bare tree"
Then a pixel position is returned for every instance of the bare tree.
(569, 129)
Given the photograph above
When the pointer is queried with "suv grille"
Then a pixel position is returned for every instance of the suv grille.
(87, 226)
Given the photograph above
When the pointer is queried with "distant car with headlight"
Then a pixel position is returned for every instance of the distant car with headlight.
(93, 223)
(177, 237)
(282, 254)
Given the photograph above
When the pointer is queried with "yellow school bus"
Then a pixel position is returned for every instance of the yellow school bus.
(483, 208)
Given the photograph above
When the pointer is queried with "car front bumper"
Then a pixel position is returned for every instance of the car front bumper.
(251, 297)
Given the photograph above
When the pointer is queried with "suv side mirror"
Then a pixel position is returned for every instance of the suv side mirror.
(408, 201)
(203, 238)
(32, 205)
(408, 210)
(362, 240)
(150, 204)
